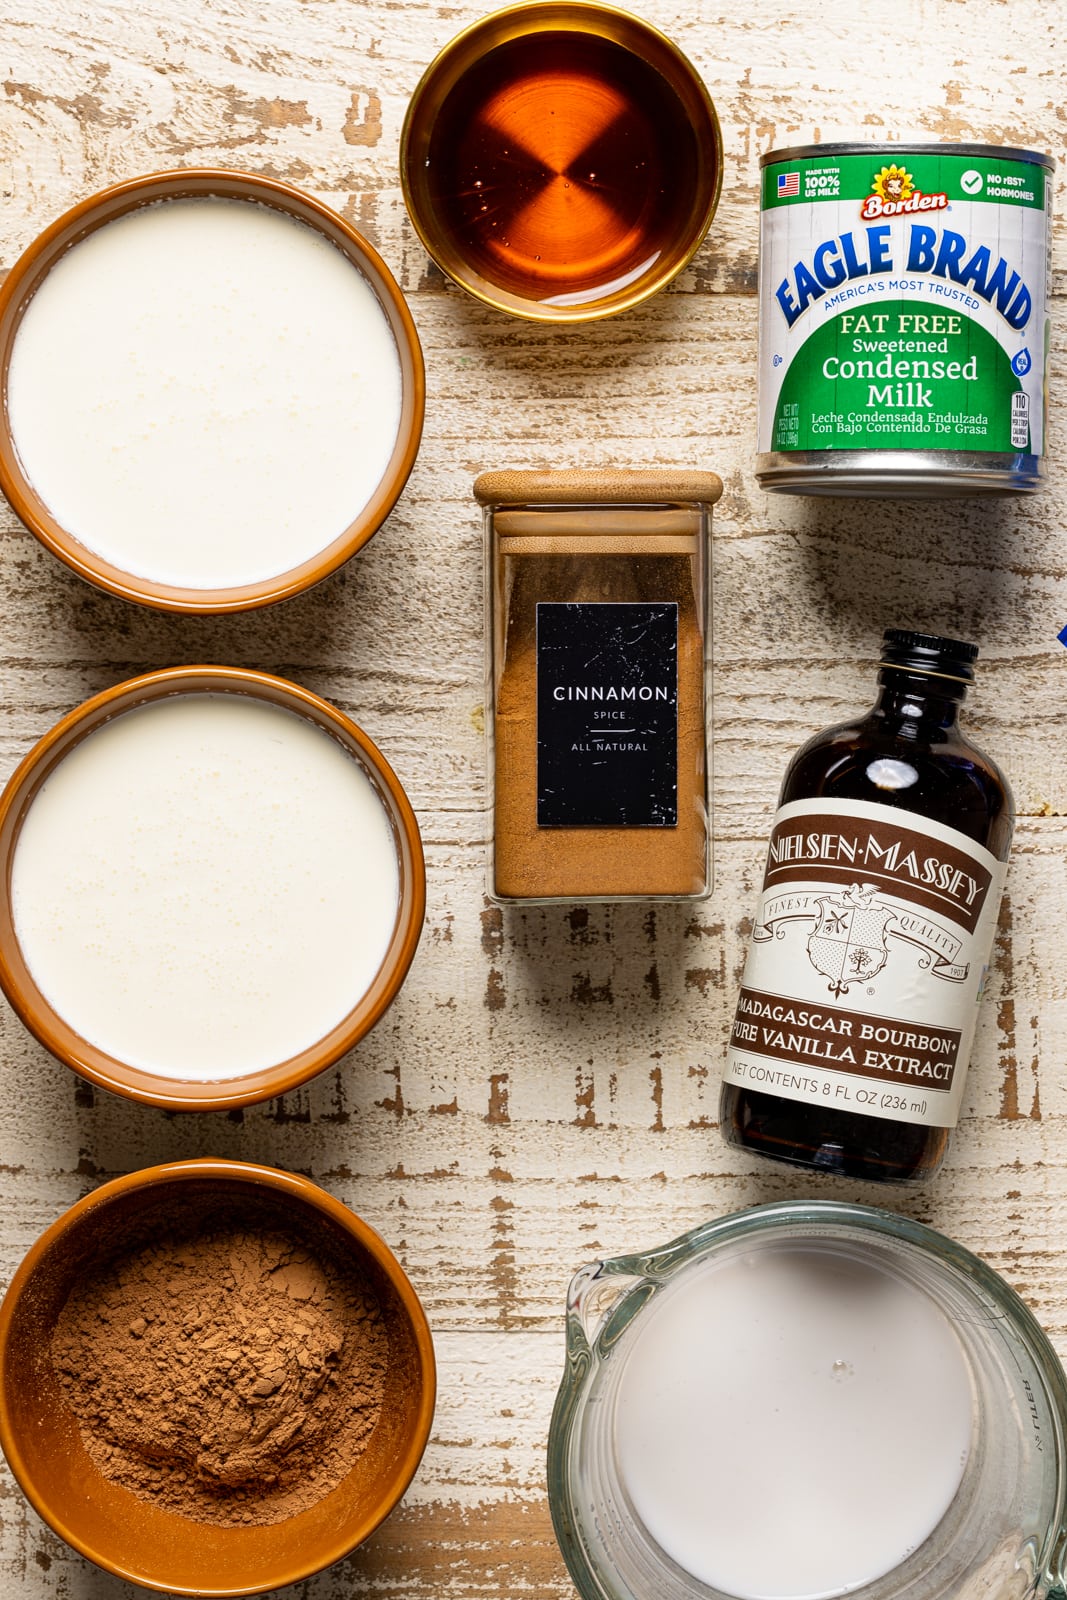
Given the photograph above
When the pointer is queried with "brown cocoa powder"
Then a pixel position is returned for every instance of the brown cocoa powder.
(231, 1374)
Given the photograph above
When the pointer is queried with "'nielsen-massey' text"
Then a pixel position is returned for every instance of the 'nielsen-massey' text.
(881, 856)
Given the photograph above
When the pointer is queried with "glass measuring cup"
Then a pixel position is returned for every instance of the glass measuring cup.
(1002, 1537)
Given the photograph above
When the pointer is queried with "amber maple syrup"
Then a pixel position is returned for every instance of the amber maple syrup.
(563, 165)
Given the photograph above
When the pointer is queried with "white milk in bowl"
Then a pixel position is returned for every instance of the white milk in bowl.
(205, 886)
(205, 392)
(791, 1422)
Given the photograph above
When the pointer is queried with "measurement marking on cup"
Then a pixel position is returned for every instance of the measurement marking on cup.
(1035, 1415)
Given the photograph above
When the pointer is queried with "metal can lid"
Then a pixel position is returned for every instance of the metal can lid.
(929, 653)
(907, 147)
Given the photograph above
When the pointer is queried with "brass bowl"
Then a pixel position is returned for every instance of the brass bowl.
(221, 1093)
(126, 1535)
(620, 68)
(96, 212)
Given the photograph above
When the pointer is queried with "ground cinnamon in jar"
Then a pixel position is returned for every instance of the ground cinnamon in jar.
(597, 605)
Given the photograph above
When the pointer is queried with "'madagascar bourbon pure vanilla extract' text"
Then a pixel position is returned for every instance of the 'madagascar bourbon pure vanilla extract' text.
(873, 931)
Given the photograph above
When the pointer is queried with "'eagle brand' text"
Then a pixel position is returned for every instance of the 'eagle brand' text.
(942, 255)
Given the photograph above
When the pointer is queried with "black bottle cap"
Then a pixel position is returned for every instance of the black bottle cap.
(928, 652)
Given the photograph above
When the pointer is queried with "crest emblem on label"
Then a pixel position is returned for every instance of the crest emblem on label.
(847, 944)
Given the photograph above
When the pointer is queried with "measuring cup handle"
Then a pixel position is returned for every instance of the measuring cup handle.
(593, 1291)
(1057, 1576)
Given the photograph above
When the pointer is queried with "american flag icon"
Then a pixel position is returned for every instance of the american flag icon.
(788, 184)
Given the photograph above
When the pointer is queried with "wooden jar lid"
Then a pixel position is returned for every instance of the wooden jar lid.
(598, 486)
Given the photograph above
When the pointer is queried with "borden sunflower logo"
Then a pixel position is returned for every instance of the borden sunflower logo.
(895, 192)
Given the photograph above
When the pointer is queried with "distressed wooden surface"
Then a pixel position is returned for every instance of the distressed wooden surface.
(544, 1090)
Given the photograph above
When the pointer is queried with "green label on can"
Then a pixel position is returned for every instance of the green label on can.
(883, 383)
(883, 181)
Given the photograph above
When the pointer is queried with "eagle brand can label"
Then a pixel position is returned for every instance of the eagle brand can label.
(903, 301)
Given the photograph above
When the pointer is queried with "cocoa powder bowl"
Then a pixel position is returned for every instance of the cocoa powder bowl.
(129, 1535)
(211, 887)
(211, 390)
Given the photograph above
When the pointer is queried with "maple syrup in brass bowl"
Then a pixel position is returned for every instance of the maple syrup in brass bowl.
(561, 161)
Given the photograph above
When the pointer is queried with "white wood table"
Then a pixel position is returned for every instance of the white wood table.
(545, 1089)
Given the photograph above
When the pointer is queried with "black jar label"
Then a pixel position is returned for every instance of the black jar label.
(607, 715)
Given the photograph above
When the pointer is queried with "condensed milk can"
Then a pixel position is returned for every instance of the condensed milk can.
(904, 328)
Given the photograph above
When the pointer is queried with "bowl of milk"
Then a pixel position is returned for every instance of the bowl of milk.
(213, 887)
(803, 1401)
(213, 390)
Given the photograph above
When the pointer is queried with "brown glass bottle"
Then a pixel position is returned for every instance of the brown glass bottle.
(907, 753)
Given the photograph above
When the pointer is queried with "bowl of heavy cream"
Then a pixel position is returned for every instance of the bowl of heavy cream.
(212, 390)
(213, 886)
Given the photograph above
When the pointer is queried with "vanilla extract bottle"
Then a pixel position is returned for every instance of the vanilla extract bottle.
(873, 932)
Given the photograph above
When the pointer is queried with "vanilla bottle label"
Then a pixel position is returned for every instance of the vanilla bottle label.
(868, 959)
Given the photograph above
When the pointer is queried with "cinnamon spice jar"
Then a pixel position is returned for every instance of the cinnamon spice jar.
(598, 650)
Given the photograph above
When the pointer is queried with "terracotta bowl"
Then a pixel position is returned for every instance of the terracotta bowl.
(459, 106)
(220, 1094)
(127, 1535)
(197, 183)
